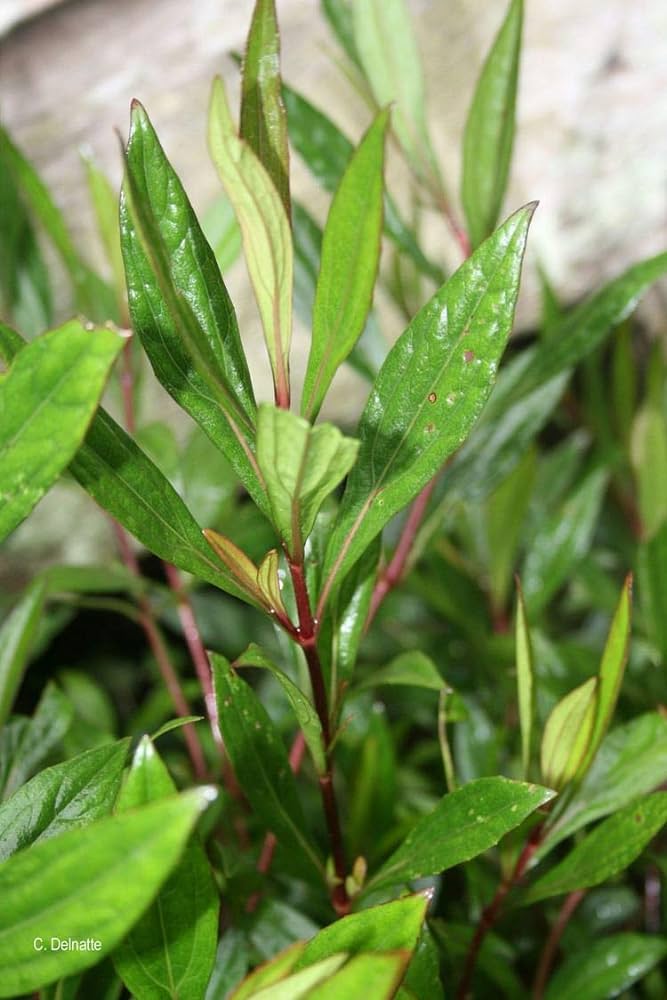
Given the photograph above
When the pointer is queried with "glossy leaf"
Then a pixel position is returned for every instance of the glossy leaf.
(62, 797)
(47, 400)
(304, 711)
(429, 393)
(260, 761)
(525, 681)
(607, 967)
(179, 304)
(608, 850)
(413, 669)
(464, 824)
(567, 734)
(610, 675)
(489, 130)
(349, 266)
(171, 949)
(263, 122)
(267, 240)
(387, 48)
(101, 878)
(631, 762)
(563, 541)
(393, 926)
(301, 466)
(17, 634)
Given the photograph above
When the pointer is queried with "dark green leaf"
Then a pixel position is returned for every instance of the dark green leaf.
(265, 228)
(51, 721)
(170, 951)
(47, 400)
(263, 122)
(505, 511)
(179, 304)
(301, 465)
(101, 878)
(607, 967)
(489, 131)
(349, 265)
(62, 798)
(608, 850)
(429, 392)
(464, 824)
(652, 581)
(16, 637)
(260, 760)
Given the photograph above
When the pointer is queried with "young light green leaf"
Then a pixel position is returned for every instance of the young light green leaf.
(567, 734)
(385, 42)
(101, 878)
(393, 926)
(170, 951)
(222, 232)
(489, 130)
(612, 668)
(376, 975)
(429, 392)
(168, 727)
(92, 295)
(349, 266)
(413, 669)
(270, 972)
(16, 636)
(303, 983)
(606, 968)
(258, 584)
(563, 541)
(648, 453)
(50, 723)
(263, 122)
(105, 204)
(179, 304)
(608, 850)
(301, 466)
(524, 680)
(303, 709)
(260, 761)
(464, 824)
(47, 400)
(62, 797)
(267, 240)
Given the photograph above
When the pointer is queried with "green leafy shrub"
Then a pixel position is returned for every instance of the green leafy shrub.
(353, 813)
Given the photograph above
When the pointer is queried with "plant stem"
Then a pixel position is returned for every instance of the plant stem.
(491, 912)
(551, 947)
(307, 639)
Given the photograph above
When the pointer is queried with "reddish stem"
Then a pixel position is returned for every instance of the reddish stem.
(551, 947)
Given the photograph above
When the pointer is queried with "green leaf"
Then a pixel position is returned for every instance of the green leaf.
(504, 514)
(349, 266)
(170, 951)
(50, 723)
(385, 42)
(648, 452)
(263, 119)
(610, 675)
(300, 984)
(62, 797)
(630, 763)
(567, 734)
(267, 240)
(179, 304)
(525, 681)
(429, 392)
(301, 466)
(652, 581)
(47, 400)
(489, 130)
(413, 669)
(347, 615)
(393, 926)
(270, 972)
(608, 850)
(376, 975)
(92, 295)
(260, 761)
(101, 878)
(563, 541)
(222, 232)
(303, 709)
(606, 968)
(16, 637)
(105, 204)
(464, 824)
(168, 727)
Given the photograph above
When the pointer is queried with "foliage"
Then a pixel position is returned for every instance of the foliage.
(403, 780)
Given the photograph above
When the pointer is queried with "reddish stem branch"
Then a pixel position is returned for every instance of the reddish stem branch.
(551, 947)
(492, 911)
